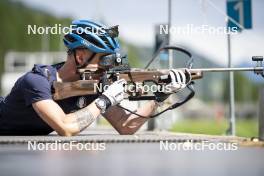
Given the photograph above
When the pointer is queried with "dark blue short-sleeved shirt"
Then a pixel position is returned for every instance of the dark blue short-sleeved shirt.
(17, 116)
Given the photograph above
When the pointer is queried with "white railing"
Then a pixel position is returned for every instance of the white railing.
(24, 61)
(18, 63)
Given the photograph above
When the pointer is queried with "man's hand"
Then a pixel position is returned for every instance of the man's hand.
(112, 96)
(179, 80)
(115, 92)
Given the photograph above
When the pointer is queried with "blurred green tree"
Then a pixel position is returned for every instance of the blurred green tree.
(15, 18)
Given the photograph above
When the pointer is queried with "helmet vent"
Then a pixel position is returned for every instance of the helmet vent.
(106, 42)
(69, 38)
(91, 40)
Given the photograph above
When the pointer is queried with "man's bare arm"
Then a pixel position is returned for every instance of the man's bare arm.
(66, 124)
(73, 123)
(127, 123)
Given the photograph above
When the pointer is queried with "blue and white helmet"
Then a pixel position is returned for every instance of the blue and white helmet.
(92, 36)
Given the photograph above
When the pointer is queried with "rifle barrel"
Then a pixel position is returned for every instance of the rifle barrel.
(228, 69)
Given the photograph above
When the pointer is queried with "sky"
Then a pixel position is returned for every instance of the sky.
(137, 18)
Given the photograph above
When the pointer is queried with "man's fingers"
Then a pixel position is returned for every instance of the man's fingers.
(178, 76)
(178, 79)
(173, 77)
(183, 77)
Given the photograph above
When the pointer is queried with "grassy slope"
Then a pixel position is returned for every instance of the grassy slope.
(246, 128)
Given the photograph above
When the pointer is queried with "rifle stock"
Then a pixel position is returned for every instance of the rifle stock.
(70, 89)
(88, 86)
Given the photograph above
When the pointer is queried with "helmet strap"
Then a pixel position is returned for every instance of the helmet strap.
(78, 66)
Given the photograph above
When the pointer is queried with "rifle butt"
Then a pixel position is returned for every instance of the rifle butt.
(70, 89)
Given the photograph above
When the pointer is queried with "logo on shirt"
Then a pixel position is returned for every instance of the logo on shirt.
(81, 102)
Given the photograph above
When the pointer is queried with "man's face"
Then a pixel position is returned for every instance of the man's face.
(84, 55)
(95, 61)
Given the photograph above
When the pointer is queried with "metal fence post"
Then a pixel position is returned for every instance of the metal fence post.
(261, 114)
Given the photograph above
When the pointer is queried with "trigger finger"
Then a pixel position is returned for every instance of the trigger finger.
(183, 77)
(178, 78)
(172, 75)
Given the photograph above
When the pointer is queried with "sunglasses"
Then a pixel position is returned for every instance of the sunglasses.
(113, 60)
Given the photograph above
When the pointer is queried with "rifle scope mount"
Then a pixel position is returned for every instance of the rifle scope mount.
(259, 64)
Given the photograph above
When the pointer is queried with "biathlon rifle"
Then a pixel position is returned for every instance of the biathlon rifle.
(116, 67)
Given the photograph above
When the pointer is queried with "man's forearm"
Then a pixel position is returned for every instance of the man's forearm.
(129, 123)
(86, 116)
(147, 110)
(134, 122)
(81, 119)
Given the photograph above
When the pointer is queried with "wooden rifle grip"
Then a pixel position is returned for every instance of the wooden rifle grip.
(70, 89)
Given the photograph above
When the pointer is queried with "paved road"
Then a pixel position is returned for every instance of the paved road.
(131, 159)
(128, 155)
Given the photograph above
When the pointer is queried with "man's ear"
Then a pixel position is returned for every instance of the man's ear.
(80, 56)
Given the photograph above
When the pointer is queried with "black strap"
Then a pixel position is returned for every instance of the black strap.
(175, 105)
(86, 63)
